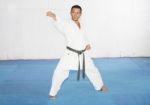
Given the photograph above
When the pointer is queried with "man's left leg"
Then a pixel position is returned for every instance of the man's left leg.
(94, 75)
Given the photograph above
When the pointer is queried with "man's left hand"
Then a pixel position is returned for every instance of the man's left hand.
(88, 47)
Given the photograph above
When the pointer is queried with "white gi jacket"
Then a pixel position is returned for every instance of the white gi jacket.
(76, 39)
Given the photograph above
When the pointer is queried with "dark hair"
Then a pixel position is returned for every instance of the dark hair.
(76, 6)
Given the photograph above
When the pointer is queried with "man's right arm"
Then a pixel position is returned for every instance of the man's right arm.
(59, 24)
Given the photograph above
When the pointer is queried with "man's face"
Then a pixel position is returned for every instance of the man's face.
(75, 14)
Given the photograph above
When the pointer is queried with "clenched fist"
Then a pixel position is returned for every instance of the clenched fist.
(51, 14)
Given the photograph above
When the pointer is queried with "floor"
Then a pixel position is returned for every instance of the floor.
(27, 82)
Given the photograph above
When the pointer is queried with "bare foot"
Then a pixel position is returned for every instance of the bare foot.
(104, 89)
(52, 97)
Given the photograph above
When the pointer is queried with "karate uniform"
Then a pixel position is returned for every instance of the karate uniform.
(75, 39)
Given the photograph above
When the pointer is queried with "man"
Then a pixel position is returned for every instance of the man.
(76, 53)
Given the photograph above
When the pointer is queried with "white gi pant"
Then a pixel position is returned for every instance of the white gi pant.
(70, 62)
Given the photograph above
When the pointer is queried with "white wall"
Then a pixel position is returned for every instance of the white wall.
(115, 28)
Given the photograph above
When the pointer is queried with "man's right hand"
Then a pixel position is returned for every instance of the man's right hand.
(51, 14)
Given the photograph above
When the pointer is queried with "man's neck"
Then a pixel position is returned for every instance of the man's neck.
(78, 23)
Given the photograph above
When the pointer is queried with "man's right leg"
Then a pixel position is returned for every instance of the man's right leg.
(58, 78)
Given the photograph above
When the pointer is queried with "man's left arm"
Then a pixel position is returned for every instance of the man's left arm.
(88, 45)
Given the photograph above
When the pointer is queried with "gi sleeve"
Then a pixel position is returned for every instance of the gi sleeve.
(59, 24)
(87, 40)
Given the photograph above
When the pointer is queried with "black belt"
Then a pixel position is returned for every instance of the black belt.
(79, 52)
